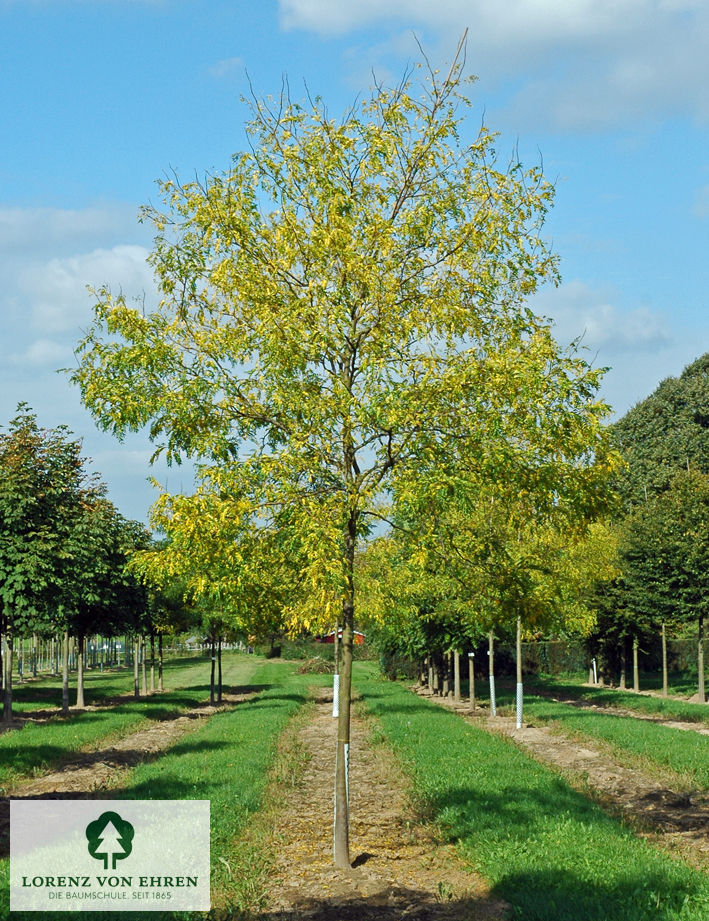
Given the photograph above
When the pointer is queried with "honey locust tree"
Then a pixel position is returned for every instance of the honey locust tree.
(347, 295)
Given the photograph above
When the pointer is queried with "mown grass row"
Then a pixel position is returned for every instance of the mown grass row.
(552, 854)
(612, 697)
(682, 753)
(39, 746)
(45, 691)
(226, 761)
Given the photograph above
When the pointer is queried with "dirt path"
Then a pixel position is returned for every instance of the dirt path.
(677, 819)
(399, 872)
(610, 710)
(94, 773)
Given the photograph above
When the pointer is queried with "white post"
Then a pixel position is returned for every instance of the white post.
(335, 695)
(520, 692)
(491, 657)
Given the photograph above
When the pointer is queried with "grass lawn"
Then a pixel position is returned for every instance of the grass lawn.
(544, 848)
(682, 752)
(226, 761)
(610, 697)
(38, 746)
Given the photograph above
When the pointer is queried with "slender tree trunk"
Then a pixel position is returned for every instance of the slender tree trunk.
(700, 660)
(65, 672)
(152, 663)
(219, 670)
(520, 689)
(20, 658)
(430, 674)
(456, 675)
(471, 680)
(622, 683)
(341, 834)
(664, 660)
(213, 664)
(143, 669)
(636, 671)
(136, 660)
(7, 646)
(80, 672)
(34, 655)
(446, 673)
(160, 683)
(491, 655)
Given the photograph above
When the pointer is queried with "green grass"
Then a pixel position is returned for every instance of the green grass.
(682, 752)
(610, 697)
(545, 849)
(225, 761)
(45, 692)
(38, 746)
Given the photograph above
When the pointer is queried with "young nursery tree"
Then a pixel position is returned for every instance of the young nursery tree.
(344, 299)
(42, 485)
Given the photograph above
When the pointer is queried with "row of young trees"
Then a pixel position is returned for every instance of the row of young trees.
(342, 339)
(63, 551)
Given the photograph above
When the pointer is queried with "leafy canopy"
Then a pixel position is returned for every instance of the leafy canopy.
(340, 309)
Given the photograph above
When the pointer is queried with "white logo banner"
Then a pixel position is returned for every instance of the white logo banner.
(109, 855)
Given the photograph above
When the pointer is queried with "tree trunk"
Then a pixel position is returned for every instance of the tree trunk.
(160, 683)
(446, 673)
(700, 661)
(65, 672)
(471, 680)
(456, 675)
(80, 672)
(34, 655)
(211, 674)
(219, 670)
(136, 658)
(664, 660)
(152, 663)
(520, 689)
(636, 671)
(491, 655)
(7, 645)
(342, 756)
(622, 684)
(143, 669)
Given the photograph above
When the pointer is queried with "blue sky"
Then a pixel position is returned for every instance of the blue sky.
(102, 97)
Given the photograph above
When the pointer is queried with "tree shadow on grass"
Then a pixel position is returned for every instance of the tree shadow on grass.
(595, 876)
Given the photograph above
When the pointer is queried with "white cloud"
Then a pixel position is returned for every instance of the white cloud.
(56, 290)
(227, 68)
(579, 311)
(584, 63)
(39, 228)
(42, 353)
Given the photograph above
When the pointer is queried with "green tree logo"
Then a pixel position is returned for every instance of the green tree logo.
(110, 839)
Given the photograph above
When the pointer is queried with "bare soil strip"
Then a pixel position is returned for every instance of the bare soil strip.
(673, 818)
(610, 710)
(399, 871)
(94, 773)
